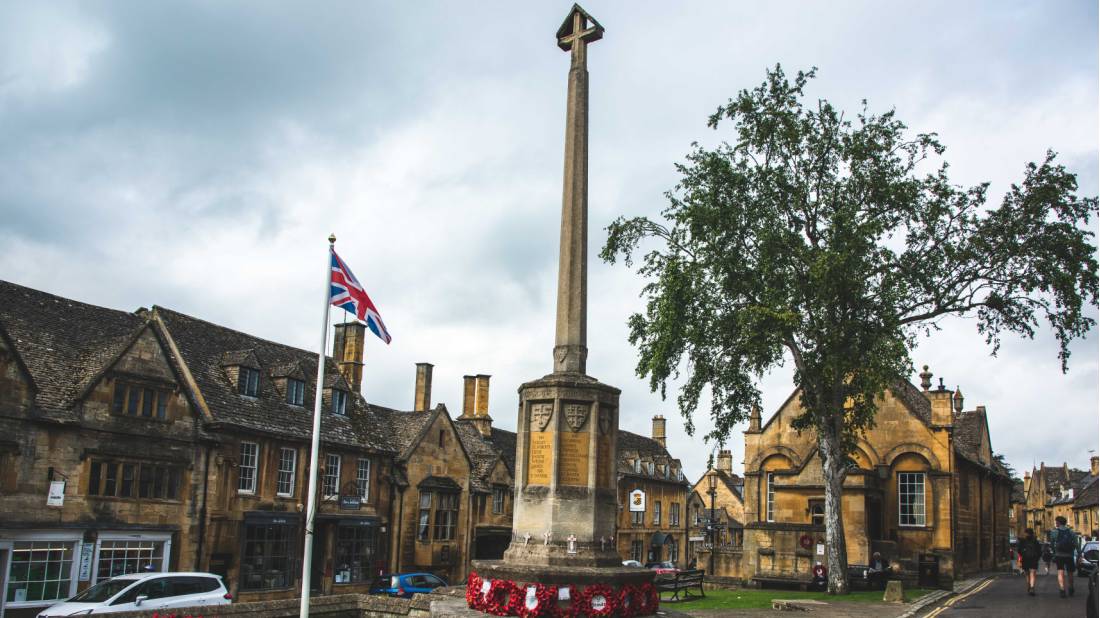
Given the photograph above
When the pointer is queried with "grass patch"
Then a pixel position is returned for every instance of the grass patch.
(752, 598)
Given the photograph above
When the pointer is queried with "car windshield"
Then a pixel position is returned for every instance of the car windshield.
(102, 591)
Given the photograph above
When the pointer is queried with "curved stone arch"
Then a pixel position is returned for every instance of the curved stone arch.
(912, 447)
(785, 451)
(869, 452)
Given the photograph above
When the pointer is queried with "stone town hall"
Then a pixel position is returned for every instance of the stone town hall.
(184, 444)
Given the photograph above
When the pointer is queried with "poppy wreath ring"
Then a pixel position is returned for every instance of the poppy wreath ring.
(501, 599)
(598, 600)
(474, 598)
(648, 593)
(545, 600)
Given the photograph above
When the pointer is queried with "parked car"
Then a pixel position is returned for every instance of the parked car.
(407, 584)
(663, 568)
(633, 563)
(1086, 563)
(144, 592)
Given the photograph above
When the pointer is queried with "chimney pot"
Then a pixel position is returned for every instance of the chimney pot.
(659, 429)
(422, 398)
(1094, 465)
(725, 461)
(469, 386)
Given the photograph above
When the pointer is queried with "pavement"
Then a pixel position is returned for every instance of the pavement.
(1006, 596)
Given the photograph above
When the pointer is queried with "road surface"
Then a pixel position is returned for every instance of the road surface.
(1006, 597)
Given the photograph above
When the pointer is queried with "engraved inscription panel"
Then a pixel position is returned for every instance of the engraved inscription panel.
(603, 461)
(541, 458)
(573, 459)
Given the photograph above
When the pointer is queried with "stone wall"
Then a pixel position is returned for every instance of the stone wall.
(336, 606)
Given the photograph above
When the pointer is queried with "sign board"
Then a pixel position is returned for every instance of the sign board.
(86, 551)
(697, 538)
(350, 503)
(637, 501)
(821, 549)
(56, 496)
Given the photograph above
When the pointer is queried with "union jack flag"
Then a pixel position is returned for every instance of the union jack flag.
(346, 293)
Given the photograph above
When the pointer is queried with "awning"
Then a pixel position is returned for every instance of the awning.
(659, 538)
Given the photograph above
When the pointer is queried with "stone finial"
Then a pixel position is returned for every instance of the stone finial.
(926, 379)
(958, 398)
(754, 420)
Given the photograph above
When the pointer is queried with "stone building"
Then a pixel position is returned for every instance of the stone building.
(659, 531)
(728, 515)
(1085, 516)
(1052, 492)
(924, 490)
(179, 444)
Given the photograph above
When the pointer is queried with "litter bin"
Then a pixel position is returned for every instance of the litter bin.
(928, 571)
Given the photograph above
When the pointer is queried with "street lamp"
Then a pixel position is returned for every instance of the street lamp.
(712, 482)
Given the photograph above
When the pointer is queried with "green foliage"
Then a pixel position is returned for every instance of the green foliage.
(746, 598)
(836, 242)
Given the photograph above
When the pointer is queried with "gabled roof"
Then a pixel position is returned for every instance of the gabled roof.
(915, 401)
(483, 455)
(63, 344)
(203, 346)
(646, 449)
(1087, 496)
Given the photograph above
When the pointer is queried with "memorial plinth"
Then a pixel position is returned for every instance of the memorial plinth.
(562, 558)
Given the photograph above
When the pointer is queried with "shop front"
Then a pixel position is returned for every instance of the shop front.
(271, 544)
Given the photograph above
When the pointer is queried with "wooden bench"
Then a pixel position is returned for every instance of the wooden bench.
(683, 580)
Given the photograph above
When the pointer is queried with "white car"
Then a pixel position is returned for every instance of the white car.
(144, 591)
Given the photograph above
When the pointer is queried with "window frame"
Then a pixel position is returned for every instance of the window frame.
(674, 514)
(242, 465)
(290, 475)
(769, 503)
(248, 381)
(424, 516)
(331, 477)
(295, 392)
(918, 520)
(656, 512)
(498, 500)
(446, 516)
(362, 482)
(339, 402)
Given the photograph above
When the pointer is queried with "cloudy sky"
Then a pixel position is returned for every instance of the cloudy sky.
(195, 155)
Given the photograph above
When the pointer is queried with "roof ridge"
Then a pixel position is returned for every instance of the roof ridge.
(56, 297)
(234, 330)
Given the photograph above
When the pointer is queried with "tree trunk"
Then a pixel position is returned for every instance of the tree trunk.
(834, 466)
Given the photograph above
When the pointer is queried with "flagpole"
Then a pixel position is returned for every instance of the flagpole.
(311, 501)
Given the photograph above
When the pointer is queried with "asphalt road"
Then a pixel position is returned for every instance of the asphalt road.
(1007, 596)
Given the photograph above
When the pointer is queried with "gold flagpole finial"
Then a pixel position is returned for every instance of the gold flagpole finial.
(332, 239)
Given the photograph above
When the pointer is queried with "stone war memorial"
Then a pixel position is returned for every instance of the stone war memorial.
(562, 556)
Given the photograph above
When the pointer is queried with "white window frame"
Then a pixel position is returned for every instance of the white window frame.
(120, 535)
(920, 519)
(13, 537)
(295, 391)
(769, 504)
(674, 514)
(339, 402)
(242, 465)
(656, 512)
(332, 475)
(291, 473)
(637, 466)
(362, 481)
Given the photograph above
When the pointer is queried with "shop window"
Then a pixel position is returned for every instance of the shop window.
(122, 557)
(133, 480)
(40, 571)
(330, 484)
(140, 400)
(356, 552)
(288, 464)
(424, 518)
(446, 516)
(248, 381)
(266, 558)
(911, 499)
(246, 467)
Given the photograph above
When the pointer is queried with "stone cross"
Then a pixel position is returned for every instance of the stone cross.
(603, 543)
(571, 332)
(526, 538)
(571, 546)
(546, 538)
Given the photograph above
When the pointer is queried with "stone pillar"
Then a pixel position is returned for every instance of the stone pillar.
(347, 351)
(422, 398)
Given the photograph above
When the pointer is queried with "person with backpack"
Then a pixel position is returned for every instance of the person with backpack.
(1064, 541)
(1030, 551)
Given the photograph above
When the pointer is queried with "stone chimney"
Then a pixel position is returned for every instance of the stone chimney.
(1027, 482)
(725, 461)
(422, 397)
(659, 430)
(347, 351)
(754, 420)
(475, 403)
(958, 397)
(1094, 465)
(943, 413)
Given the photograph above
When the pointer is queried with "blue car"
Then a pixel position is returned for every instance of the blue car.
(407, 584)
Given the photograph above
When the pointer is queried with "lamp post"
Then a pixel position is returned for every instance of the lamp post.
(712, 482)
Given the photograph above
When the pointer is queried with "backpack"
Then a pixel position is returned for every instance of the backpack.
(1030, 551)
(1063, 542)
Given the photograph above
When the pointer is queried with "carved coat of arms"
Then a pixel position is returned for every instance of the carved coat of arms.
(575, 415)
(605, 421)
(540, 415)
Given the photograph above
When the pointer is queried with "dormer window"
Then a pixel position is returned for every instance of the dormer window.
(651, 468)
(295, 392)
(339, 402)
(248, 381)
(637, 466)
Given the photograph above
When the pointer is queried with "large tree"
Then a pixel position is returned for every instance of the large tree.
(835, 242)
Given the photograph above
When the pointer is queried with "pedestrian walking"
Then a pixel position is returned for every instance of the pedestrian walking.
(1064, 540)
(1047, 557)
(1030, 551)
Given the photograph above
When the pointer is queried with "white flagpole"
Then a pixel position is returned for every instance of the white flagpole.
(311, 502)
